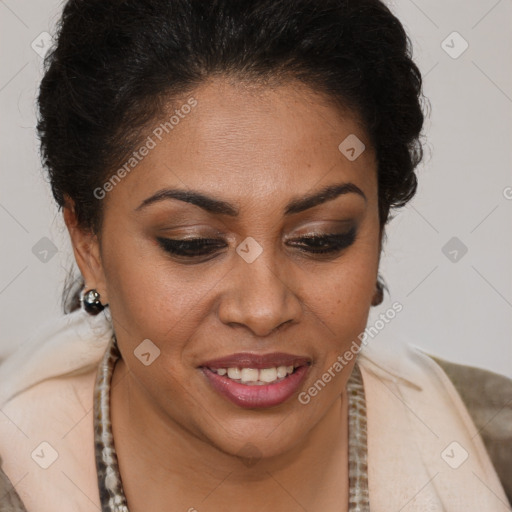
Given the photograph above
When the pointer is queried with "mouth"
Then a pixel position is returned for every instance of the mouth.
(255, 381)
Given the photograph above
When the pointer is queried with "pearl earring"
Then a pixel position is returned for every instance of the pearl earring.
(91, 302)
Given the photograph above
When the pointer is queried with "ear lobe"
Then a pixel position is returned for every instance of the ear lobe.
(86, 249)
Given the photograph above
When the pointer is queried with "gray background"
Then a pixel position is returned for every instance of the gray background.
(455, 305)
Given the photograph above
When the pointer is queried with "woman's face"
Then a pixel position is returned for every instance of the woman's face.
(254, 155)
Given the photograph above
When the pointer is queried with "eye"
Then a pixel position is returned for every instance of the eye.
(191, 247)
(314, 244)
(328, 243)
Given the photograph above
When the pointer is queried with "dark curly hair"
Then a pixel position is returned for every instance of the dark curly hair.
(115, 63)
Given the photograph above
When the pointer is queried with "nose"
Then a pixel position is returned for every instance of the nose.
(259, 296)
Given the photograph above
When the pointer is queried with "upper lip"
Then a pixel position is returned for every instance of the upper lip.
(257, 361)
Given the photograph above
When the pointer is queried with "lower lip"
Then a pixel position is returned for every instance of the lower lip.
(251, 397)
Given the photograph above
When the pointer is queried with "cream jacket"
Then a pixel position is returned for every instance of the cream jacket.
(424, 452)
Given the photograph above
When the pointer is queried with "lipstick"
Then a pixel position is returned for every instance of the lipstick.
(227, 376)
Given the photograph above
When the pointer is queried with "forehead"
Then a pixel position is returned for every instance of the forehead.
(258, 142)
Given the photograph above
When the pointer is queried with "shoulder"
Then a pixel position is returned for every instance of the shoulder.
(421, 383)
(488, 398)
(420, 431)
(47, 444)
(46, 413)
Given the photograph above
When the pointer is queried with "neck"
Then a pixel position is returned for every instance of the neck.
(161, 463)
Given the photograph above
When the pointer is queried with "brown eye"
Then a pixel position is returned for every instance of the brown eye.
(325, 244)
(190, 247)
(314, 244)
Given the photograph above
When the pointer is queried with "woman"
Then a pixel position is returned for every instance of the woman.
(226, 170)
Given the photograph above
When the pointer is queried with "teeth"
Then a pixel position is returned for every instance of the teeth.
(253, 376)
(249, 375)
(282, 371)
(234, 373)
(268, 375)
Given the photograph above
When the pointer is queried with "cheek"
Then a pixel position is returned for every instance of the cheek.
(350, 280)
(153, 298)
(143, 296)
(340, 295)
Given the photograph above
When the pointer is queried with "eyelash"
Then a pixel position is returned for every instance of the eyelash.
(334, 242)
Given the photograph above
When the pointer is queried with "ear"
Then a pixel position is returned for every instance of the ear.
(86, 248)
(378, 296)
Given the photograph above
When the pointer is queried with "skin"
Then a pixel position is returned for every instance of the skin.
(178, 441)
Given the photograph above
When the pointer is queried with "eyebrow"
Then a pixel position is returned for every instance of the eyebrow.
(220, 207)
